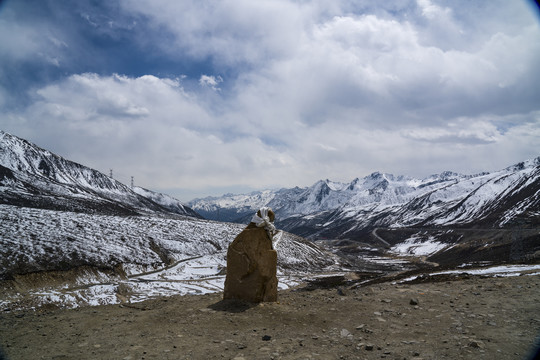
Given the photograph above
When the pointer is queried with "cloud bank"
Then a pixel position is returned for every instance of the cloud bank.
(199, 98)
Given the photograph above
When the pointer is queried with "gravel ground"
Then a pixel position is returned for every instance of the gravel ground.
(457, 318)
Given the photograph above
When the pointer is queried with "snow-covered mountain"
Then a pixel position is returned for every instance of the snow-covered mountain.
(168, 202)
(34, 177)
(327, 209)
(35, 240)
(232, 208)
(72, 236)
(73, 258)
(324, 195)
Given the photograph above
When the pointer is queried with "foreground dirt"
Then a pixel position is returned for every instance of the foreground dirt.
(466, 318)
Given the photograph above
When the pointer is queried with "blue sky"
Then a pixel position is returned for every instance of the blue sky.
(197, 98)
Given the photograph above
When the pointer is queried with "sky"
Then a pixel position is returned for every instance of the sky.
(201, 98)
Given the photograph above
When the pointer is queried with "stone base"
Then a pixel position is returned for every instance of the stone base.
(251, 267)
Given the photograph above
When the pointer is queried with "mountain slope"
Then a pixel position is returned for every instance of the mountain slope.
(76, 259)
(36, 240)
(231, 207)
(72, 236)
(34, 177)
(506, 198)
(168, 202)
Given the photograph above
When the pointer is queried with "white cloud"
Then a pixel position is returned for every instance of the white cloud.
(176, 143)
(459, 131)
(309, 62)
(314, 90)
(211, 81)
(149, 128)
(432, 11)
(231, 32)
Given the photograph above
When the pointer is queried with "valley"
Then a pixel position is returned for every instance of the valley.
(103, 270)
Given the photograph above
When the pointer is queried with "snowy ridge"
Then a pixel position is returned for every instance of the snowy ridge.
(166, 201)
(231, 207)
(328, 209)
(31, 176)
(21, 156)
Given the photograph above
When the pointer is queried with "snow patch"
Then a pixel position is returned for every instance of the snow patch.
(418, 246)
(497, 271)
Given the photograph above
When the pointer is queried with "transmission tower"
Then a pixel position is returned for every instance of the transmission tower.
(132, 182)
(110, 173)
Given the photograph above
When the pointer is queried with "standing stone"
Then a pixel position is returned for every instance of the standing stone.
(252, 262)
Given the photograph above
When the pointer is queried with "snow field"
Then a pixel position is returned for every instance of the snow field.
(418, 246)
(160, 256)
(502, 270)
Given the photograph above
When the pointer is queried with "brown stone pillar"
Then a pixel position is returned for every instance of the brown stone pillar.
(251, 267)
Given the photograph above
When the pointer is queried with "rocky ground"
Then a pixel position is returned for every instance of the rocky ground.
(451, 316)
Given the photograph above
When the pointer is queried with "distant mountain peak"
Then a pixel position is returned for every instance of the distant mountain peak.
(376, 175)
(448, 174)
(335, 210)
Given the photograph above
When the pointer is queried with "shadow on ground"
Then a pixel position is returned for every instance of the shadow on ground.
(232, 305)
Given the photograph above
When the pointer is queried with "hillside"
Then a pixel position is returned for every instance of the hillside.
(74, 259)
(72, 236)
(34, 177)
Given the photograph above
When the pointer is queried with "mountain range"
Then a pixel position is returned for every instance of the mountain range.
(72, 236)
(89, 239)
(507, 198)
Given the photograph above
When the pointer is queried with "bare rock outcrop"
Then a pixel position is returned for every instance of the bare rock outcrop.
(252, 262)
